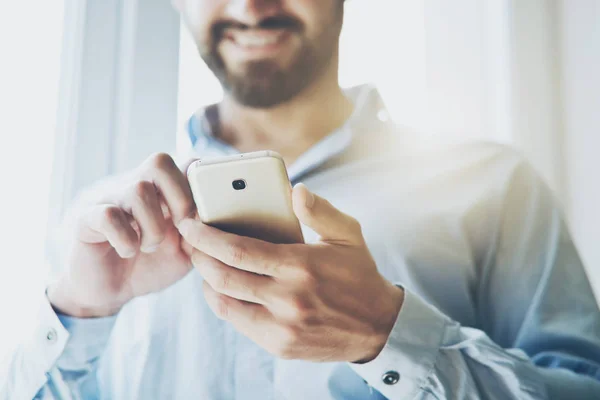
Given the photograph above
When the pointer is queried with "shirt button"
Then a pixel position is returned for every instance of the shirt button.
(390, 378)
(51, 336)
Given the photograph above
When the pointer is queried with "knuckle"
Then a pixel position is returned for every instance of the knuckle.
(285, 354)
(188, 206)
(161, 161)
(286, 343)
(307, 278)
(290, 335)
(302, 311)
(221, 307)
(254, 292)
(142, 191)
(354, 224)
(112, 216)
(143, 188)
(300, 262)
(222, 281)
(237, 253)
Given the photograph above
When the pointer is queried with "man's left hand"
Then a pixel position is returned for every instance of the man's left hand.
(319, 302)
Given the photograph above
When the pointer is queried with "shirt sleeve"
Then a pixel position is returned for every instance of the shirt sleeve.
(58, 359)
(539, 333)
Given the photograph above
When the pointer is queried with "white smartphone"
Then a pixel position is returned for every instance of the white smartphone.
(247, 194)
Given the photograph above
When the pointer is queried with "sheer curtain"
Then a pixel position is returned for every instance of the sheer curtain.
(525, 73)
(579, 49)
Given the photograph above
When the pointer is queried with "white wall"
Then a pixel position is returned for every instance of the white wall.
(580, 53)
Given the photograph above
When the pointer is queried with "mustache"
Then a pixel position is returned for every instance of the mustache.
(273, 22)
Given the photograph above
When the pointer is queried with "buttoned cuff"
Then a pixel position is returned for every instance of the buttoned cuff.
(70, 343)
(88, 338)
(40, 350)
(408, 358)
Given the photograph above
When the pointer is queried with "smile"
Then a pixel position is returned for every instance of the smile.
(257, 43)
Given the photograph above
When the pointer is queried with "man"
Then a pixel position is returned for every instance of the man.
(461, 280)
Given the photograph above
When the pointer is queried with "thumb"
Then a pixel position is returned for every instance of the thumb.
(332, 225)
(184, 165)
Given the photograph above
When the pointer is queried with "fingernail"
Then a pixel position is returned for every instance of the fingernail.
(309, 200)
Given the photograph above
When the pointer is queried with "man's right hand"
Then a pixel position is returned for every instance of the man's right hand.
(123, 241)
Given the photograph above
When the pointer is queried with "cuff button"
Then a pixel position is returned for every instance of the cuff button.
(51, 335)
(390, 378)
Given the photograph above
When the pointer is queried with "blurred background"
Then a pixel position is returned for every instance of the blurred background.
(89, 88)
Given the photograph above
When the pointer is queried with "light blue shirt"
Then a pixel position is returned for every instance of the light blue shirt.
(497, 305)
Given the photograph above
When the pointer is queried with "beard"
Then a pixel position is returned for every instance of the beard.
(265, 83)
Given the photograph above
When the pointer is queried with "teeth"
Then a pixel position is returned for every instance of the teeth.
(250, 40)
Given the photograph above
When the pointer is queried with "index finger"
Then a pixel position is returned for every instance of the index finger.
(172, 185)
(241, 252)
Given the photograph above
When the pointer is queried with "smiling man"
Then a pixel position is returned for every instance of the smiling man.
(430, 272)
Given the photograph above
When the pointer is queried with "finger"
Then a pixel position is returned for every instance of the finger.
(109, 223)
(233, 282)
(185, 165)
(332, 225)
(147, 212)
(172, 185)
(246, 317)
(241, 252)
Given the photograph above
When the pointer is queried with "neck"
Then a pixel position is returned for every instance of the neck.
(290, 128)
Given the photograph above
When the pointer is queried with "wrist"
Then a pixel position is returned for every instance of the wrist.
(61, 301)
(391, 304)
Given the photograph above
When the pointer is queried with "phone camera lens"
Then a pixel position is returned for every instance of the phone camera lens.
(239, 184)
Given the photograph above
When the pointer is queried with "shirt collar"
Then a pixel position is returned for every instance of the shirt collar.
(369, 114)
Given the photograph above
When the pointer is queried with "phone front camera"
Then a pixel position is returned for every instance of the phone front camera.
(239, 184)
